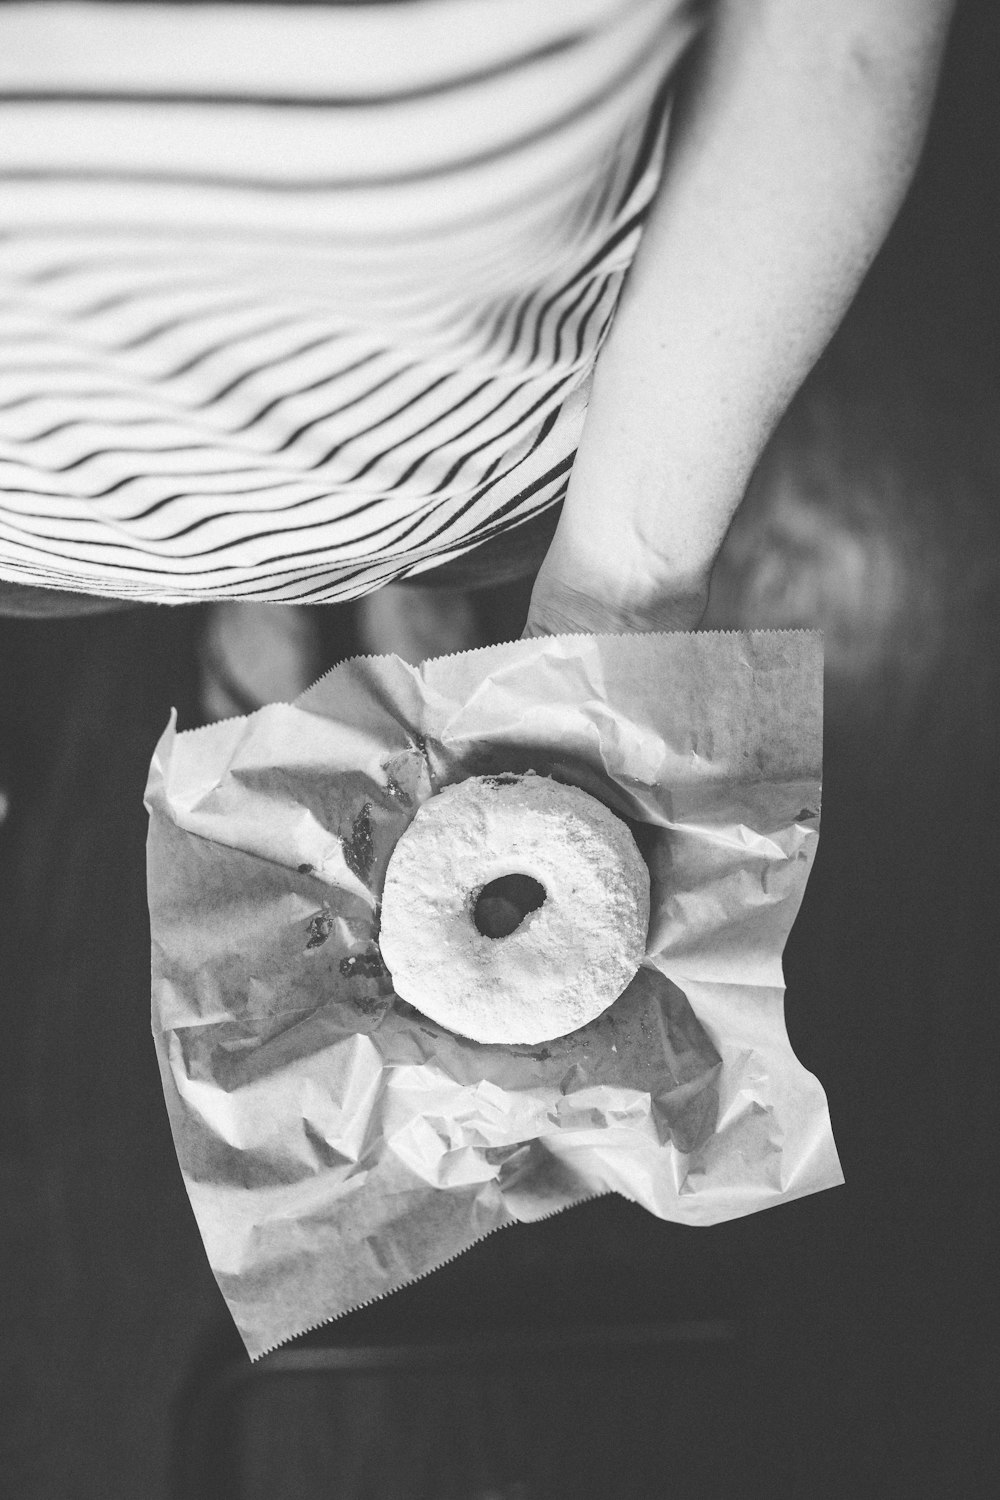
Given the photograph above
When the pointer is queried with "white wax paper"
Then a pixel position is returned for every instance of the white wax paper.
(335, 1143)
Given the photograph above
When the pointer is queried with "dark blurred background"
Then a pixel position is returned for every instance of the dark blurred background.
(848, 1345)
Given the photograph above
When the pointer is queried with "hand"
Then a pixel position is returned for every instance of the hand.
(606, 605)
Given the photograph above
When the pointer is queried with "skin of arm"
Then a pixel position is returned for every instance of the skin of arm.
(794, 137)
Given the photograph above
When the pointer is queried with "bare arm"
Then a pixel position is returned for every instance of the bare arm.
(793, 143)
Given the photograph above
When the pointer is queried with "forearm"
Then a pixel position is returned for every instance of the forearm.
(791, 149)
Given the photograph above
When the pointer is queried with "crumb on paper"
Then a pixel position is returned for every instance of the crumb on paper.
(363, 966)
(398, 793)
(320, 927)
(371, 1005)
(404, 773)
(359, 850)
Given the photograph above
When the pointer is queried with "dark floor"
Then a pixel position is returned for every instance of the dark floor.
(864, 1311)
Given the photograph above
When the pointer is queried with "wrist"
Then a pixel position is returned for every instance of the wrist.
(625, 575)
(576, 591)
(625, 552)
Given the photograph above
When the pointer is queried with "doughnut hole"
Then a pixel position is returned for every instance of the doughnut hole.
(503, 904)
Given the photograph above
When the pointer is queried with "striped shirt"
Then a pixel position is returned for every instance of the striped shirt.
(296, 300)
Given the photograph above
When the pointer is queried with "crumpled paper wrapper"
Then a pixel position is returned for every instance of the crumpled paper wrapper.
(334, 1142)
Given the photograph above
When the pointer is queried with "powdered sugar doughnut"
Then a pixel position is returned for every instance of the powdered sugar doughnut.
(566, 961)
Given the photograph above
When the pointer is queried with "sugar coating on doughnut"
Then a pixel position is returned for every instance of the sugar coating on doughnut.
(567, 961)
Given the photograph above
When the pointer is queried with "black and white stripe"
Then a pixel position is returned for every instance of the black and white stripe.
(297, 300)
